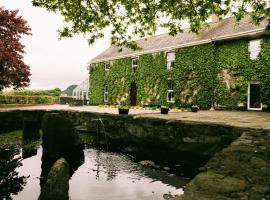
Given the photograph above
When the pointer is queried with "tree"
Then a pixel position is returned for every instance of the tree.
(129, 19)
(13, 71)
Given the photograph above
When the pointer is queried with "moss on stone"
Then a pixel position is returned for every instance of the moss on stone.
(56, 187)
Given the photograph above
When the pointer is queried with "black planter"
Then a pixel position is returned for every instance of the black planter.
(194, 109)
(123, 111)
(266, 109)
(164, 110)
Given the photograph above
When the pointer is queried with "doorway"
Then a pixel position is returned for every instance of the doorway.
(254, 96)
(133, 94)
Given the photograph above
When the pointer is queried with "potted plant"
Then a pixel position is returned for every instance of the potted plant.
(241, 107)
(123, 110)
(266, 108)
(164, 109)
(194, 108)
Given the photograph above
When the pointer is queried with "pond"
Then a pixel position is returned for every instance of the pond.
(99, 175)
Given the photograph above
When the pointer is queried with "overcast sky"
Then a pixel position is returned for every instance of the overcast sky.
(53, 62)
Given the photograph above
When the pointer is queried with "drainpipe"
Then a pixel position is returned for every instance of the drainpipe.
(89, 78)
(213, 78)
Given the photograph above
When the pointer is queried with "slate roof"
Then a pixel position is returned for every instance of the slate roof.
(217, 31)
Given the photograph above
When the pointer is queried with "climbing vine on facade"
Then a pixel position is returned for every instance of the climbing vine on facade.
(206, 75)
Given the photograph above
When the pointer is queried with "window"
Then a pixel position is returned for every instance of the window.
(254, 49)
(170, 59)
(134, 64)
(106, 93)
(170, 92)
(107, 66)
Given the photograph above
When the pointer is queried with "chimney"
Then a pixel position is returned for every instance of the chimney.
(214, 18)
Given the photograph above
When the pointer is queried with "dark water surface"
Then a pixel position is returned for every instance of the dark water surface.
(103, 175)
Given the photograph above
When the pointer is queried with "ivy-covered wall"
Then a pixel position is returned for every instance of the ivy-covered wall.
(210, 74)
(194, 74)
(236, 70)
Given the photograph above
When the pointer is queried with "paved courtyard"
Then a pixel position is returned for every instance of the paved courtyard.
(248, 119)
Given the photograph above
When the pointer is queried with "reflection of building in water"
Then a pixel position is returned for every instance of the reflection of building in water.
(81, 92)
(109, 165)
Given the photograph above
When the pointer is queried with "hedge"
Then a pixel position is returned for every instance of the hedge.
(22, 99)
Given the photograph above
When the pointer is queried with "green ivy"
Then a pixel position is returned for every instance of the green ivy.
(97, 82)
(205, 75)
(194, 75)
(118, 79)
(152, 79)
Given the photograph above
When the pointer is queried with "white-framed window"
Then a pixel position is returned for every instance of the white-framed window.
(134, 64)
(170, 91)
(254, 49)
(170, 58)
(106, 93)
(106, 67)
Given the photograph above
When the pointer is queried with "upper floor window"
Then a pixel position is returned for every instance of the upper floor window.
(106, 93)
(254, 49)
(134, 65)
(170, 91)
(170, 57)
(106, 66)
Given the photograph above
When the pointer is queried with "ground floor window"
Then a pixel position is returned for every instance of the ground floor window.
(170, 91)
(106, 94)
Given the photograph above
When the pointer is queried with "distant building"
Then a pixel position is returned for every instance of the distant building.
(81, 92)
(69, 91)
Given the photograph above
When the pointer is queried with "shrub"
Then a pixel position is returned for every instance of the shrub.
(21, 99)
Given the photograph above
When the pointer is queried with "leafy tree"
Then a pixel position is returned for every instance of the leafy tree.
(129, 19)
(13, 71)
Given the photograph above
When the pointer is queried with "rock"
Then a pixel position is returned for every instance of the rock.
(212, 183)
(31, 129)
(58, 134)
(257, 162)
(57, 185)
(167, 196)
(166, 168)
(147, 163)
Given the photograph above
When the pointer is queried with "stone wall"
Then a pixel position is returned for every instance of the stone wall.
(240, 171)
(13, 120)
(198, 137)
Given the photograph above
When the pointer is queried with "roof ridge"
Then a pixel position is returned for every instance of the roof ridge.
(185, 29)
(221, 29)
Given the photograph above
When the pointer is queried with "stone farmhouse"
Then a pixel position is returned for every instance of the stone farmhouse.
(226, 65)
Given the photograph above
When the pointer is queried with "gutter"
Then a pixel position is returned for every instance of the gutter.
(214, 39)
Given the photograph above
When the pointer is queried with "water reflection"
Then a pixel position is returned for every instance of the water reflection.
(74, 157)
(29, 148)
(95, 174)
(10, 181)
(114, 176)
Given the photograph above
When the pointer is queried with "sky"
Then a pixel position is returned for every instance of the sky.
(53, 62)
